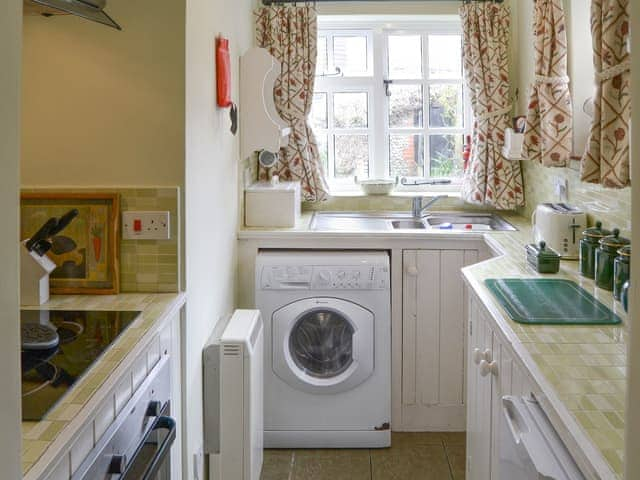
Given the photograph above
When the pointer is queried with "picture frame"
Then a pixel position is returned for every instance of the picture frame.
(86, 252)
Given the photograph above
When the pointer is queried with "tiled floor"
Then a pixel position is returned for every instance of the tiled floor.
(412, 456)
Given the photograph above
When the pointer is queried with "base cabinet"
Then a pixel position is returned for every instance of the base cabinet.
(434, 309)
(492, 373)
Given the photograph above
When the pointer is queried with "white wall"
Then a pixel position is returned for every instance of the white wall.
(633, 398)
(10, 44)
(389, 8)
(101, 106)
(211, 189)
(580, 67)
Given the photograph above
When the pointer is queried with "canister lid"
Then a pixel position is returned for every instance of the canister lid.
(625, 251)
(614, 240)
(597, 231)
(542, 251)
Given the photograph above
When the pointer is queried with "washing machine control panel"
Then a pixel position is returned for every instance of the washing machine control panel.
(365, 277)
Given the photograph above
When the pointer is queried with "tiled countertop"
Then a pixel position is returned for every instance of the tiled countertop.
(582, 369)
(584, 366)
(37, 437)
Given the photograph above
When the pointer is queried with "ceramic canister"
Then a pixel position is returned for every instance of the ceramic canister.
(588, 245)
(606, 254)
(621, 270)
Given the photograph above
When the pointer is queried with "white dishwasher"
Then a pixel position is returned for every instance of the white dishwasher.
(530, 448)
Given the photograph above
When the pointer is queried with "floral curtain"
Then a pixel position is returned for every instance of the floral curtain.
(549, 132)
(606, 159)
(490, 179)
(289, 33)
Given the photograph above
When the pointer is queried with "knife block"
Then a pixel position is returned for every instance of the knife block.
(34, 277)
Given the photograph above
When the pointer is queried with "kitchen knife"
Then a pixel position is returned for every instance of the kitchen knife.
(42, 234)
(63, 222)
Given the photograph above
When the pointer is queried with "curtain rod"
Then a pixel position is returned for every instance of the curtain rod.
(275, 2)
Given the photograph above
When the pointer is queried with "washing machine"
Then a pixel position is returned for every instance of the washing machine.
(327, 348)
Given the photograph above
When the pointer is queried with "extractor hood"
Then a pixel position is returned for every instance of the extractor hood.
(89, 9)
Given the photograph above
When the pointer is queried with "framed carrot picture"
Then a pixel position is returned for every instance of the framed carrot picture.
(86, 251)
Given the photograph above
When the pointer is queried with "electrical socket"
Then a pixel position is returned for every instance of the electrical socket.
(138, 225)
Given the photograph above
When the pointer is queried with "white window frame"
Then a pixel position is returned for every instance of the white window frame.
(378, 129)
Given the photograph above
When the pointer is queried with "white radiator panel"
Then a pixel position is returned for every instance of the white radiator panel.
(234, 426)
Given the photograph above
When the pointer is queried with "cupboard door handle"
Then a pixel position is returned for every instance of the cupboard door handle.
(412, 271)
(487, 368)
(488, 355)
(478, 356)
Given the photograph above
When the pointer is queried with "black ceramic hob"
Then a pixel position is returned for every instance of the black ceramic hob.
(79, 338)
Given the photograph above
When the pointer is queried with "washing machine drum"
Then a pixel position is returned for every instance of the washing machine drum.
(323, 345)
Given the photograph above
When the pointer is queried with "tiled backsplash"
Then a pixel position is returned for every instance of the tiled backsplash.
(395, 202)
(611, 206)
(148, 266)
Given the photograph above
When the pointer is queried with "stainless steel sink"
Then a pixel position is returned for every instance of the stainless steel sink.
(408, 224)
(389, 221)
(469, 221)
(356, 221)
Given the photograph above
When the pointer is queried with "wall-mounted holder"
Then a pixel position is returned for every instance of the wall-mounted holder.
(34, 277)
(513, 142)
(261, 127)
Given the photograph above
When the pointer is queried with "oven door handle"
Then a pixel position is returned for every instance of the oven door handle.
(162, 423)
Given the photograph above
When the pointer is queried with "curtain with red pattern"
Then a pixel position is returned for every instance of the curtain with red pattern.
(490, 179)
(606, 160)
(549, 132)
(290, 34)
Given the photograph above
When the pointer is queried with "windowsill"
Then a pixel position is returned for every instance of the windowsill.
(453, 193)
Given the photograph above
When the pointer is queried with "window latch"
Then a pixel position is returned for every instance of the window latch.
(387, 91)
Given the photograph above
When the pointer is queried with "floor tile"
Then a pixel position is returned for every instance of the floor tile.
(456, 454)
(454, 438)
(349, 453)
(400, 440)
(418, 462)
(277, 464)
(331, 465)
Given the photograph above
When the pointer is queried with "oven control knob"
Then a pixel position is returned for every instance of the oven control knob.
(154, 408)
(118, 465)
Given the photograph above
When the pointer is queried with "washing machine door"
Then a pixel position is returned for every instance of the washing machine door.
(323, 345)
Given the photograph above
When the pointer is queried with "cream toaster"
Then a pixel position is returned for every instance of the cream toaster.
(560, 225)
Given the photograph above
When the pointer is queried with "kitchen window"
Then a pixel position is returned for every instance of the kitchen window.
(389, 100)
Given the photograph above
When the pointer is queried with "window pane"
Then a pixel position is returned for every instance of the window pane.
(318, 115)
(445, 105)
(350, 54)
(445, 152)
(406, 155)
(405, 56)
(445, 56)
(351, 155)
(405, 106)
(322, 62)
(350, 110)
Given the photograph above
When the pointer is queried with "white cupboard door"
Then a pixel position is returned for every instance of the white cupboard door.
(479, 396)
(434, 339)
(473, 375)
(483, 460)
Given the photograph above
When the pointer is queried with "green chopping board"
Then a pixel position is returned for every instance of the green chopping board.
(546, 301)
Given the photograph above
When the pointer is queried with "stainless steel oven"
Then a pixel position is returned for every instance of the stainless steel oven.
(137, 446)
